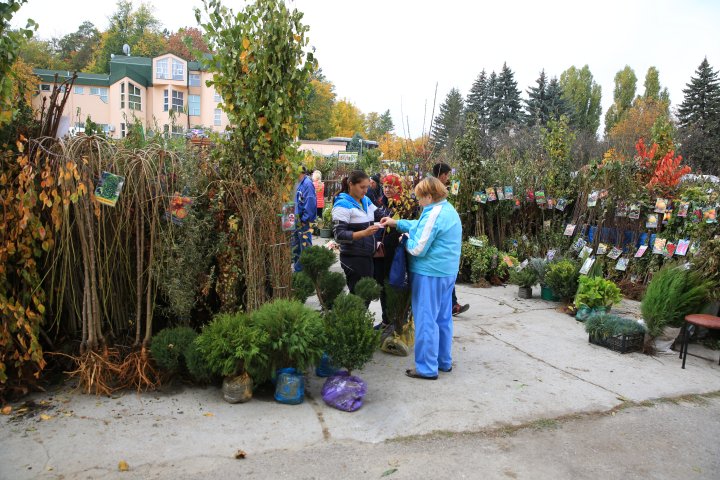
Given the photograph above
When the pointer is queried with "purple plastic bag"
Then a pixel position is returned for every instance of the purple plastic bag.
(344, 391)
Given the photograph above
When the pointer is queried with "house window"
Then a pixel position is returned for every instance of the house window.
(178, 101)
(217, 119)
(194, 105)
(161, 69)
(165, 100)
(100, 92)
(177, 131)
(217, 98)
(79, 90)
(122, 95)
(134, 102)
(178, 70)
(45, 87)
(122, 130)
(194, 80)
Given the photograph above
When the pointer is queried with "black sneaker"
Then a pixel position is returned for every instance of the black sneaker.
(458, 309)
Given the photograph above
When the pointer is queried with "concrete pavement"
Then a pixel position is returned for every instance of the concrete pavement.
(516, 362)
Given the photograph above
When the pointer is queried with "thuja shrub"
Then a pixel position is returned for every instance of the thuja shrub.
(168, 348)
(351, 340)
(368, 289)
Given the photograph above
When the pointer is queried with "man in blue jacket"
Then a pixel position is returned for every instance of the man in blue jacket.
(305, 214)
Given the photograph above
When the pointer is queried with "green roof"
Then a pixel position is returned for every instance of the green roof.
(92, 79)
(138, 69)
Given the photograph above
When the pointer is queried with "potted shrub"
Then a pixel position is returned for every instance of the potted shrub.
(296, 339)
(326, 221)
(351, 342)
(316, 275)
(235, 349)
(169, 346)
(595, 295)
(524, 279)
(562, 278)
(616, 333)
(673, 293)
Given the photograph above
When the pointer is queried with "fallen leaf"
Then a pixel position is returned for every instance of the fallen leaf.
(123, 466)
(389, 472)
(45, 417)
(240, 454)
(6, 410)
(208, 414)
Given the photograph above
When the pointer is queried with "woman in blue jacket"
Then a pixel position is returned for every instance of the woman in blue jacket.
(434, 246)
(354, 217)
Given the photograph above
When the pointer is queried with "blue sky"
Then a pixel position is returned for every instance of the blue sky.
(390, 54)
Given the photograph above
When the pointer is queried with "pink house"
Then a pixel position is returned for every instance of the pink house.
(165, 94)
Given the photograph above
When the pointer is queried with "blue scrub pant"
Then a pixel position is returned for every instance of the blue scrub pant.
(432, 310)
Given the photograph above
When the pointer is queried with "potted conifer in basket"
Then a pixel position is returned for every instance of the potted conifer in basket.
(326, 221)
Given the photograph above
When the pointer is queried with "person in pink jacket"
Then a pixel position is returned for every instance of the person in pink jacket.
(319, 191)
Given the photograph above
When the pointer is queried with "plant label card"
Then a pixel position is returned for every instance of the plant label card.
(540, 197)
(550, 255)
(508, 261)
(551, 203)
(508, 193)
(529, 195)
(660, 205)
(561, 204)
(603, 194)
(579, 244)
(477, 197)
(287, 216)
(524, 264)
(569, 230)
(641, 251)
(500, 193)
(622, 264)
(697, 215)
(667, 216)
(682, 248)
(602, 249)
(621, 210)
(694, 247)
(634, 211)
(710, 215)
(546, 224)
(455, 187)
(592, 199)
(669, 250)
(587, 265)
(178, 210)
(476, 242)
(615, 253)
(683, 209)
(483, 197)
(659, 246)
(108, 188)
(652, 221)
(586, 252)
(491, 194)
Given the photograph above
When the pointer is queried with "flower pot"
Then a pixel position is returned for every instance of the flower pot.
(237, 389)
(546, 293)
(326, 233)
(524, 292)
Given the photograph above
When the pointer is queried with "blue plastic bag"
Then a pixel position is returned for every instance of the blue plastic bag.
(398, 277)
(290, 387)
(344, 391)
(326, 368)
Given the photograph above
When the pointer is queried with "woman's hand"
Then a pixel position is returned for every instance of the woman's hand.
(388, 222)
(370, 231)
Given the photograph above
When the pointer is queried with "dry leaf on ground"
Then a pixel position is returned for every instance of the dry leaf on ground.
(45, 417)
(240, 454)
(123, 466)
(6, 410)
(208, 414)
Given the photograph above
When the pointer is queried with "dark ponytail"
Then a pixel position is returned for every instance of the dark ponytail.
(356, 176)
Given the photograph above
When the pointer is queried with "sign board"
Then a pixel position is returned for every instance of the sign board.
(347, 157)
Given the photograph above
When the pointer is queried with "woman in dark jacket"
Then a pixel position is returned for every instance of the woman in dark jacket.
(354, 217)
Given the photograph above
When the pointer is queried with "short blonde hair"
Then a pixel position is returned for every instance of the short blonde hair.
(431, 186)
(316, 176)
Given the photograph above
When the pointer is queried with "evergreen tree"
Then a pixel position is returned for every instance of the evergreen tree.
(448, 124)
(699, 116)
(509, 96)
(386, 123)
(557, 106)
(536, 106)
(477, 99)
(493, 102)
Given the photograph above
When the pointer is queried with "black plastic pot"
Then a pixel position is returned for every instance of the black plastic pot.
(524, 292)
